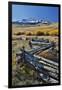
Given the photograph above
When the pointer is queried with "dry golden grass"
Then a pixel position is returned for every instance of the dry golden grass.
(17, 44)
(50, 29)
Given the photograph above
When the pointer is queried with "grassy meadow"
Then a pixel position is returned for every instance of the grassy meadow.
(49, 32)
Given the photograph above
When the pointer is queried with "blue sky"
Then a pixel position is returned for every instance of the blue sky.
(20, 12)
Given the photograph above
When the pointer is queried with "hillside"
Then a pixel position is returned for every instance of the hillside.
(51, 29)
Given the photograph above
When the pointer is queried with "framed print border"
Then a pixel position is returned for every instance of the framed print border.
(10, 42)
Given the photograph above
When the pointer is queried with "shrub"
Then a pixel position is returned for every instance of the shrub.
(20, 33)
(47, 34)
(29, 34)
(39, 33)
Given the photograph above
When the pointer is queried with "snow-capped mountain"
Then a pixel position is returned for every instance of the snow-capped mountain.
(31, 21)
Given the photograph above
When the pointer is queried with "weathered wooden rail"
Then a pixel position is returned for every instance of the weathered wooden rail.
(47, 69)
(39, 43)
(41, 49)
(44, 69)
